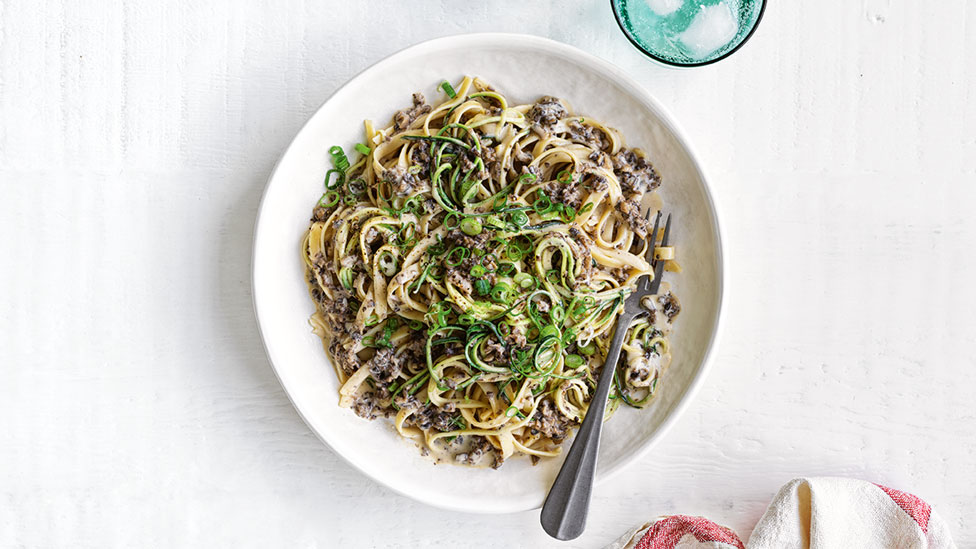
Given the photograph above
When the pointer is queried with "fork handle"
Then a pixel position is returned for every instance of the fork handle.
(568, 503)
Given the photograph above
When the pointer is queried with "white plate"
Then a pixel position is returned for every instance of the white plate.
(523, 68)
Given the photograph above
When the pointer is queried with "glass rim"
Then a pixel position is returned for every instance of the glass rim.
(642, 49)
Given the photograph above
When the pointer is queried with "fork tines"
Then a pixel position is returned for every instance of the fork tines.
(659, 264)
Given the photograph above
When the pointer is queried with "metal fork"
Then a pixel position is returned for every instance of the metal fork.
(568, 503)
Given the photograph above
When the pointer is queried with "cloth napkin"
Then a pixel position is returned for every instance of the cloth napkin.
(810, 513)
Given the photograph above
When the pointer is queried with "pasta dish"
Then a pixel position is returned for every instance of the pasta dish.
(468, 264)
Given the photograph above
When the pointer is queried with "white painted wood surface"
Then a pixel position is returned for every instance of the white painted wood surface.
(137, 407)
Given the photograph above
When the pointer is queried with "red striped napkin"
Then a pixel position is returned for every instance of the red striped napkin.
(814, 513)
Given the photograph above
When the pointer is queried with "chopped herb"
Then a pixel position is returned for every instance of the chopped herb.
(482, 286)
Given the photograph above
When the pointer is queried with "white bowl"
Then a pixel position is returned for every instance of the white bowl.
(523, 68)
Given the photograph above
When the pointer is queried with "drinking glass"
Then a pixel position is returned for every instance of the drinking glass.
(688, 33)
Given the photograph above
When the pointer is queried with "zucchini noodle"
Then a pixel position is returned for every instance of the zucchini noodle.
(468, 267)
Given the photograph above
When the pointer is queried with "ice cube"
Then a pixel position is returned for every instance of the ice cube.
(665, 7)
(713, 27)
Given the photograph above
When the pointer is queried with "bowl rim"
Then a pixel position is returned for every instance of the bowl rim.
(665, 118)
(669, 63)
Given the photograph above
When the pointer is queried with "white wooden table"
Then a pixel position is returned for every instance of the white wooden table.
(137, 407)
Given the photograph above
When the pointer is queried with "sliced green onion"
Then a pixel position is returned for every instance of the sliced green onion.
(451, 220)
(466, 319)
(504, 328)
(470, 226)
(520, 219)
(576, 312)
(511, 411)
(329, 199)
(543, 204)
(557, 313)
(339, 158)
(505, 269)
(524, 280)
(339, 179)
(478, 270)
(363, 149)
(499, 203)
(565, 176)
(548, 331)
(513, 252)
(500, 292)
(574, 361)
(589, 349)
(349, 199)
(456, 256)
(448, 89)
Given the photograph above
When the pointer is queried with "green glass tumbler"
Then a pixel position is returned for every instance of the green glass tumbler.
(688, 33)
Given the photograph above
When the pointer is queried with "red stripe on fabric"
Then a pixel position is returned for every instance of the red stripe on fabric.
(911, 504)
(667, 532)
